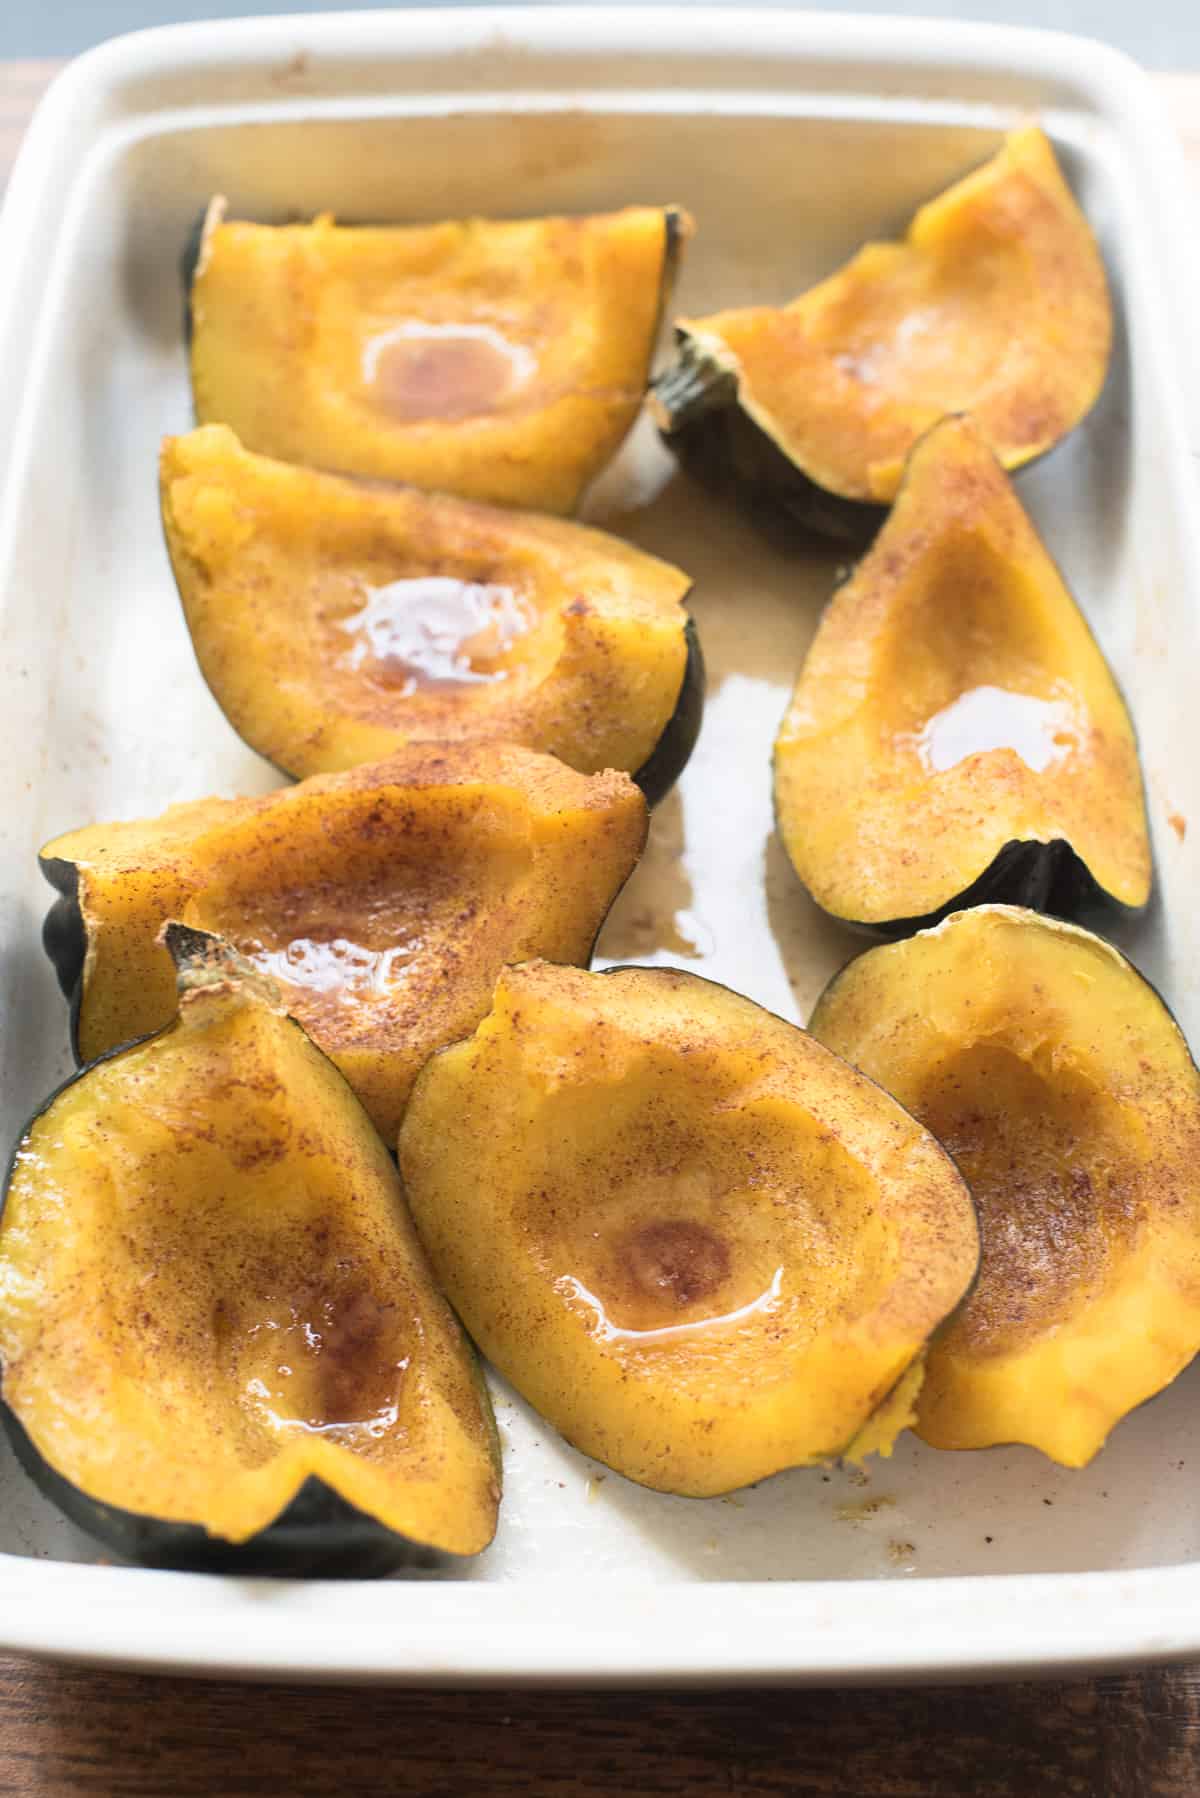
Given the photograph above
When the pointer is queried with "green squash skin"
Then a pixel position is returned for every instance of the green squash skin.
(705, 426)
(1035, 917)
(64, 938)
(319, 1535)
(724, 450)
(672, 752)
(670, 755)
(656, 776)
(189, 259)
(1049, 878)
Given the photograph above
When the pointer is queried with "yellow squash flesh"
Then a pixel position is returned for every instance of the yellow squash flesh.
(383, 902)
(1064, 1090)
(699, 1244)
(336, 621)
(504, 361)
(954, 702)
(211, 1291)
(995, 303)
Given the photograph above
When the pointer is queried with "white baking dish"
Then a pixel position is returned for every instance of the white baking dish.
(791, 137)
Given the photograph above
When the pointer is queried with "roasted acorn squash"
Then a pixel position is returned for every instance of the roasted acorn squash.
(503, 361)
(699, 1244)
(335, 622)
(221, 1343)
(1064, 1090)
(996, 303)
(956, 735)
(383, 901)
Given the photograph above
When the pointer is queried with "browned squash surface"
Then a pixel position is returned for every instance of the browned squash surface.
(384, 902)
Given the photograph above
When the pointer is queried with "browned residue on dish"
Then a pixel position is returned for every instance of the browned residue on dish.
(863, 1509)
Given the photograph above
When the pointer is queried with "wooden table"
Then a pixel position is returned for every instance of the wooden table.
(67, 1732)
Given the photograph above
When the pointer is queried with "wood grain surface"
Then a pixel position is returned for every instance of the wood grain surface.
(80, 1734)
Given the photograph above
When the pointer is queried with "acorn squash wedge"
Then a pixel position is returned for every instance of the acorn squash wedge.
(504, 361)
(956, 735)
(383, 902)
(221, 1344)
(995, 303)
(703, 1247)
(1062, 1086)
(335, 622)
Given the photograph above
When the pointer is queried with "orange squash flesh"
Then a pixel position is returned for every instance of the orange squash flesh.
(383, 902)
(699, 1244)
(336, 622)
(995, 303)
(1064, 1090)
(212, 1297)
(503, 361)
(955, 728)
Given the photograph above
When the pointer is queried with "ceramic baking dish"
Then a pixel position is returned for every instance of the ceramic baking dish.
(791, 137)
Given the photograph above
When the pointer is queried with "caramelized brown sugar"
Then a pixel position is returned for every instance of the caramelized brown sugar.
(954, 701)
(383, 901)
(1062, 1087)
(418, 371)
(434, 631)
(501, 360)
(700, 1245)
(336, 620)
(210, 1291)
(995, 303)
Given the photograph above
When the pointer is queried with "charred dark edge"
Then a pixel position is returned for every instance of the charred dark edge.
(318, 1535)
(714, 438)
(671, 753)
(64, 938)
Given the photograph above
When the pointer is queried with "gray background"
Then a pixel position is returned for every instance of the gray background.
(1163, 33)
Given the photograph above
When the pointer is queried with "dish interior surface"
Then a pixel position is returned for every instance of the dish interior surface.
(107, 716)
